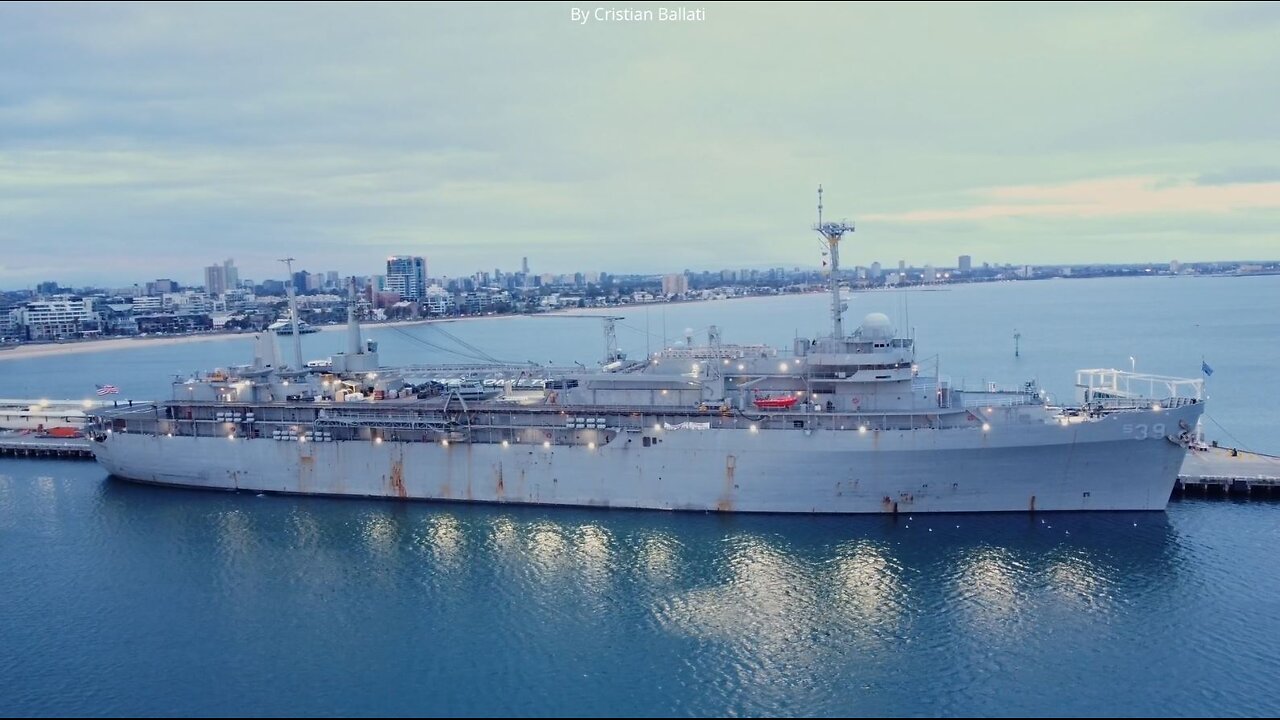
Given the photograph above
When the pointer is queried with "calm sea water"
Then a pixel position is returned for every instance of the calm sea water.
(121, 599)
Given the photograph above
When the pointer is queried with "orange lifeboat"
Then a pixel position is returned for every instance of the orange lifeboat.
(63, 432)
(775, 402)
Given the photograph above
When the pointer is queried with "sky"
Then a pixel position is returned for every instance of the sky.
(150, 140)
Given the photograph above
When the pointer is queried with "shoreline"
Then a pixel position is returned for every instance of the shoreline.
(27, 352)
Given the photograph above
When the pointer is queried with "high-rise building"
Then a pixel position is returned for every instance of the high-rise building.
(407, 276)
(161, 286)
(230, 274)
(875, 271)
(902, 268)
(524, 265)
(1175, 267)
(215, 280)
(675, 284)
(966, 264)
(930, 275)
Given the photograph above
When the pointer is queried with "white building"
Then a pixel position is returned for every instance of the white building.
(407, 276)
(59, 318)
(438, 301)
(191, 301)
(147, 304)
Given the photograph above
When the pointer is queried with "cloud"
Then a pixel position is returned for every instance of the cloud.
(1241, 175)
(1110, 197)
(477, 134)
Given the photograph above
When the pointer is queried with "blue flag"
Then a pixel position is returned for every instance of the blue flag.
(1205, 367)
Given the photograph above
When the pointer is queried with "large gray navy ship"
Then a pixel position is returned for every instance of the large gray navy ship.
(845, 423)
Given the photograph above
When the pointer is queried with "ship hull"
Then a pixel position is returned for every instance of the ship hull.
(1117, 463)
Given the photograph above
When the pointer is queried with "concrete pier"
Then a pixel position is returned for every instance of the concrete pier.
(1222, 472)
(33, 446)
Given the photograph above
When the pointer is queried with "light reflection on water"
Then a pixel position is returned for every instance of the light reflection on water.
(500, 609)
(985, 585)
(444, 539)
(869, 589)
(659, 555)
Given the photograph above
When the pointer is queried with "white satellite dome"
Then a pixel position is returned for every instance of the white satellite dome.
(876, 326)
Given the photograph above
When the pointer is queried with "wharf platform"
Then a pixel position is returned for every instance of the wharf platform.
(1222, 472)
(35, 446)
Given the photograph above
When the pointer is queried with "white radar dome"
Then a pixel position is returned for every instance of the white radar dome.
(876, 326)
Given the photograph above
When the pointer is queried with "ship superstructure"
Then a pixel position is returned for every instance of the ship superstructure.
(844, 423)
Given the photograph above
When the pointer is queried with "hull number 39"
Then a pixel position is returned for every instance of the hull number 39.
(1142, 431)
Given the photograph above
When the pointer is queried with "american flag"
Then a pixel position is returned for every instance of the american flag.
(107, 389)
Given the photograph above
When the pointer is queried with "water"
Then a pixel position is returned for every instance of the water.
(121, 599)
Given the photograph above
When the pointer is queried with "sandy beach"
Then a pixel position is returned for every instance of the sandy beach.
(22, 352)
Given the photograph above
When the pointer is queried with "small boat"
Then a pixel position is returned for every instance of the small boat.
(284, 326)
(775, 402)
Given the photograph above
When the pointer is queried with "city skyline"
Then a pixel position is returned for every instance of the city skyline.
(226, 276)
(1056, 135)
